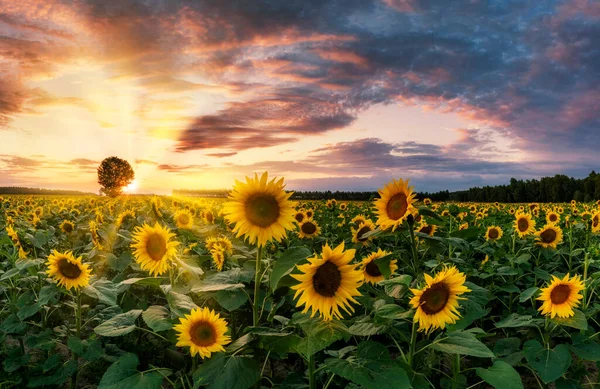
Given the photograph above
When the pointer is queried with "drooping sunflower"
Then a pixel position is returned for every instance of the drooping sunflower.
(395, 204)
(183, 219)
(493, 233)
(436, 303)
(428, 229)
(308, 229)
(561, 296)
(218, 256)
(154, 248)
(67, 270)
(363, 228)
(371, 271)
(552, 217)
(222, 241)
(12, 234)
(261, 209)
(596, 222)
(549, 236)
(67, 226)
(524, 224)
(203, 331)
(328, 283)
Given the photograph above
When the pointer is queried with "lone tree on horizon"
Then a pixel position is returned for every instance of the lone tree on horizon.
(113, 174)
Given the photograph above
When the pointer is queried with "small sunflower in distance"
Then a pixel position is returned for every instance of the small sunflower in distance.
(203, 331)
(154, 248)
(360, 218)
(218, 256)
(524, 224)
(363, 228)
(561, 296)
(183, 219)
(549, 236)
(552, 217)
(596, 222)
(370, 269)
(436, 303)
(328, 283)
(299, 216)
(493, 233)
(428, 229)
(67, 226)
(222, 241)
(394, 204)
(260, 209)
(308, 229)
(67, 270)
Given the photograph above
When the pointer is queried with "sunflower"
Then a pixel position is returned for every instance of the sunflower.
(261, 209)
(561, 296)
(493, 233)
(552, 217)
(299, 216)
(463, 226)
(183, 219)
(549, 236)
(395, 204)
(122, 217)
(511, 211)
(309, 213)
(222, 241)
(427, 201)
(573, 203)
(12, 234)
(328, 283)
(203, 331)
(363, 228)
(218, 256)
(67, 270)
(358, 219)
(67, 226)
(596, 222)
(96, 238)
(436, 303)
(371, 271)
(153, 248)
(428, 229)
(309, 229)
(208, 217)
(190, 247)
(343, 206)
(524, 224)
(331, 203)
(445, 212)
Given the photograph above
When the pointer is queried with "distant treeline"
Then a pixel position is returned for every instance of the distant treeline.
(39, 191)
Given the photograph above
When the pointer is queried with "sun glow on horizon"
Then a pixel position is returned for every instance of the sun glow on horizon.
(132, 187)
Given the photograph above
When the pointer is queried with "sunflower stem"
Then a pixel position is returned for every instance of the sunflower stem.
(455, 371)
(585, 272)
(77, 333)
(413, 245)
(257, 280)
(311, 372)
(413, 343)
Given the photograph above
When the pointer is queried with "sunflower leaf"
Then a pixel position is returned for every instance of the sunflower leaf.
(157, 318)
(119, 325)
(550, 364)
(463, 343)
(501, 376)
(286, 263)
(227, 372)
(577, 321)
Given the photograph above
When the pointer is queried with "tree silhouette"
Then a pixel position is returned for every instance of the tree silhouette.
(113, 174)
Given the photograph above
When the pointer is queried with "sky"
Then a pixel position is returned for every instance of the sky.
(340, 95)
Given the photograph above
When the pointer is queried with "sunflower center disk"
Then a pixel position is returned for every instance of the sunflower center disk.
(203, 334)
(184, 219)
(156, 247)
(361, 232)
(299, 217)
(523, 224)
(493, 233)
(262, 210)
(553, 218)
(309, 228)
(68, 269)
(68, 228)
(373, 270)
(434, 299)
(548, 236)
(595, 221)
(397, 206)
(327, 279)
(426, 230)
(560, 294)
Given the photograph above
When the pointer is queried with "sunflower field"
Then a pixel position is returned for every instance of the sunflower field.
(260, 291)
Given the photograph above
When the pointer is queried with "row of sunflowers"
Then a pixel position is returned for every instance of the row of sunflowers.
(258, 290)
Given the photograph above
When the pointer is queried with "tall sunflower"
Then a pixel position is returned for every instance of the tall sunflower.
(549, 236)
(436, 303)
(561, 296)
(308, 229)
(395, 204)
(524, 224)
(67, 270)
(260, 209)
(183, 219)
(493, 233)
(328, 283)
(154, 248)
(203, 331)
(363, 228)
(371, 271)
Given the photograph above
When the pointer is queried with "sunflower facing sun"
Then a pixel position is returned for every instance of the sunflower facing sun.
(67, 270)
(524, 224)
(561, 296)
(549, 236)
(154, 248)
(328, 283)
(370, 269)
(363, 228)
(260, 209)
(395, 204)
(493, 233)
(308, 229)
(436, 303)
(183, 219)
(203, 331)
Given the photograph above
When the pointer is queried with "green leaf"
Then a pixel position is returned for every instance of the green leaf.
(392, 312)
(231, 299)
(365, 329)
(103, 290)
(119, 263)
(119, 325)
(319, 334)
(123, 374)
(472, 311)
(58, 378)
(39, 240)
(157, 318)
(153, 281)
(180, 304)
(47, 293)
(528, 293)
(550, 364)
(227, 372)
(585, 348)
(506, 346)
(9, 274)
(286, 263)
(371, 368)
(396, 287)
(516, 320)
(501, 376)
(12, 325)
(383, 264)
(463, 343)
(578, 321)
(90, 350)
